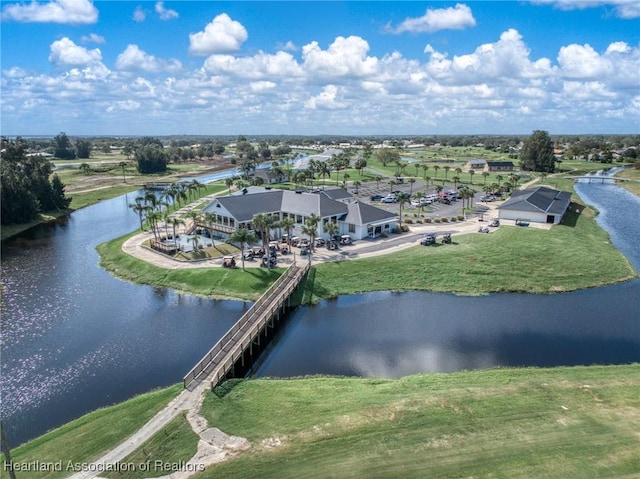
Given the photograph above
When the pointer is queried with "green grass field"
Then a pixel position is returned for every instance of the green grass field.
(577, 422)
(90, 436)
(509, 423)
(212, 282)
(509, 259)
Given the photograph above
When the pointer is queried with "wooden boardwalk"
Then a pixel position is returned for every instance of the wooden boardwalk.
(230, 349)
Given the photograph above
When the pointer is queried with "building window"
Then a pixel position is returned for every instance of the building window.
(352, 228)
(299, 219)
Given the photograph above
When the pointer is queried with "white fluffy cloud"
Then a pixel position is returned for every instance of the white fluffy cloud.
(493, 87)
(165, 13)
(65, 52)
(134, 59)
(345, 57)
(221, 35)
(261, 65)
(57, 11)
(92, 38)
(504, 60)
(450, 18)
(623, 8)
(327, 99)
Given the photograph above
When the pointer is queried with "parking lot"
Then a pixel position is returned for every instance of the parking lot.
(434, 210)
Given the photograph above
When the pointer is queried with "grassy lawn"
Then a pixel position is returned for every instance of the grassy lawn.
(175, 443)
(509, 423)
(213, 282)
(509, 259)
(90, 436)
(632, 186)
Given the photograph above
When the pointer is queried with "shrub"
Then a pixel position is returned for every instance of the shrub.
(427, 220)
(418, 221)
(454, 219)
(445, 220)
(404, 228)
(460, 218)
(436, 220)
(408, 221)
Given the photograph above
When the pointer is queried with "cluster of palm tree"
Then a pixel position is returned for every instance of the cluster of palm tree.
(181, 191)
(152, 209)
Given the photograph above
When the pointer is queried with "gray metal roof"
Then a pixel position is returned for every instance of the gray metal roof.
(362, 214)
(541, 199)
(244, 206)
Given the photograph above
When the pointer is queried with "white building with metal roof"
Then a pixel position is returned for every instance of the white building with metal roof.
(353, 217)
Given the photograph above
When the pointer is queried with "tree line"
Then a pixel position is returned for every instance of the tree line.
(27, 185)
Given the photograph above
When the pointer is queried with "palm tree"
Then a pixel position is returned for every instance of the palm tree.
(324, 169)
(427, 179)
(485, 174)
(193, 216)
(356, 185)
(229, 183)
(424, 170)
(446, 171)
(310, 228)
(471, 173)
(391, 185)
(411, 182)
(402, 199)
(152, 218)
(123, 165)
(263, 223)
(436, 168)
(287, 224)
(345, 177)
(331, 229)
(86, 168)
(378, 179)
(456, 180)
(243, 236)
(175, 222)
(139, 208)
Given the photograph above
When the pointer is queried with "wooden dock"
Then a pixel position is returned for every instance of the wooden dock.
(238, 343)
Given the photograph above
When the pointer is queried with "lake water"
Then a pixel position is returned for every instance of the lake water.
(74, 338)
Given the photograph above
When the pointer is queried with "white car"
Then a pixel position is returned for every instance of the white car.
(425, 201)
(415, 202)
(389, 199)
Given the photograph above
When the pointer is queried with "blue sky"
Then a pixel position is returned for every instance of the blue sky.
(306, 67)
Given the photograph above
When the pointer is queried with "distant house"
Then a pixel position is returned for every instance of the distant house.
(358, 220)
(498, 166)
(538, 205)
(475, 165)
(271, 177)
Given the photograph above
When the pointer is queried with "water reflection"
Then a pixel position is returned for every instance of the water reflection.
(385, 335)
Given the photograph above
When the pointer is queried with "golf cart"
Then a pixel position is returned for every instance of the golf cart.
(428, 238)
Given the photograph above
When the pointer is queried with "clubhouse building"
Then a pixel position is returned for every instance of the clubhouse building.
(353, 217)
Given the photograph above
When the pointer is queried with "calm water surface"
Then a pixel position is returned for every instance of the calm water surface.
(395, 334)
(74, 338)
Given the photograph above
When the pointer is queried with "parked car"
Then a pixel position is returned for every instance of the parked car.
(376, 197)
(486, 198)
(389, 199)
(415, 202)
(445, 201)
(425, 201)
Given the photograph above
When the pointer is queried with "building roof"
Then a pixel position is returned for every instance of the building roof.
(541, 199)
(476, 162)
(362, 214)
(243, 206)
(500, 163)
